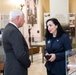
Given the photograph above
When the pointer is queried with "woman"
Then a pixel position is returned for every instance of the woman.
(57, 42)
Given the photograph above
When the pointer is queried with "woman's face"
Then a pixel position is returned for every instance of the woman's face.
(52, 28)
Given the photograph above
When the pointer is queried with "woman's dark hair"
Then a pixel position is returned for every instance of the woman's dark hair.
(60, 30)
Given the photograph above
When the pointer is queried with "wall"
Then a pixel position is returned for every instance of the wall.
(72, 6)
(5, 6)
(60, 10)
(44, 8)
(72, 9)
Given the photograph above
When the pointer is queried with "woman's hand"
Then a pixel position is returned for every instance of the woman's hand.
(46, 54)
(53, 57)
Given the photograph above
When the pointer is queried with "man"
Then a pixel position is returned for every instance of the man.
(15, 47)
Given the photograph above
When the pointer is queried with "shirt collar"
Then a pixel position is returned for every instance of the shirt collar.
(14, 24)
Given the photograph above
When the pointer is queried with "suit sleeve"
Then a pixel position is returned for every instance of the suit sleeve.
(20, 50)
(67, 47)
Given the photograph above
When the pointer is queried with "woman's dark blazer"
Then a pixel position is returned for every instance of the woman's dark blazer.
(59, 47)
(16, 51)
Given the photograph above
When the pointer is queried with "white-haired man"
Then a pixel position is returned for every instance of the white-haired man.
(15, 47)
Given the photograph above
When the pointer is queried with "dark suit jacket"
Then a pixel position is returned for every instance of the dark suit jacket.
(16, 51)
(59, 47)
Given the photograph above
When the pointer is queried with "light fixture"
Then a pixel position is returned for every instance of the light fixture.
(21, 5)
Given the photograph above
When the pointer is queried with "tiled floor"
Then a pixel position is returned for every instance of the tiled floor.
(37, 67)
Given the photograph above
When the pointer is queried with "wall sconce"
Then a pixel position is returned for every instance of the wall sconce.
(21, 6)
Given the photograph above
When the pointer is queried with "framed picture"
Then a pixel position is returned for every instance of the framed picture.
(32, 11)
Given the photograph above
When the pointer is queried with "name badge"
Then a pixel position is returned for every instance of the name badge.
(48, 41)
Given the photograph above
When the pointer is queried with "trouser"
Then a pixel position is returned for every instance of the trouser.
(49, 73)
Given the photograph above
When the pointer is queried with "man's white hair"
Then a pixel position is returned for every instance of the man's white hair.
(14, 13)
